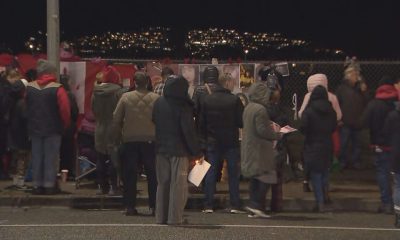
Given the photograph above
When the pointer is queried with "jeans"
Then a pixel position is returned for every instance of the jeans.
(105, 169)
(396, 196)
(319, 181)
(45, 154)
(258, 193)
(132, 154)
(383, 167)
(349, 135)
(215, 156)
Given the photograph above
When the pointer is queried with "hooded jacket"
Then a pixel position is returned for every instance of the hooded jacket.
(257, 151)
(104, 100)
(318, 122)
(392, 133)
(376, 112)
(220, 118)
(320, 80)
(173, 119)
(48, 107)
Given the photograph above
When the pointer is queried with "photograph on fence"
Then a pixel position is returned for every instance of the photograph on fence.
(232, 71)
(246, 75)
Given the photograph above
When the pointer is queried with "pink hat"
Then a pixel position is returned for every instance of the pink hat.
(315, 80)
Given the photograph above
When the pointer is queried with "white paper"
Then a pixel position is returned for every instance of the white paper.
(198, 172)
(287, 129)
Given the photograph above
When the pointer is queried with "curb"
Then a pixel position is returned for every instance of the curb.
(193, 203)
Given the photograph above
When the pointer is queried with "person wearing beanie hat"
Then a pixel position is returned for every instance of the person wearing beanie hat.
(352, 96)
(374, 118)
(322, 80)
(106, 95)
(48, 114)
(138, 140)
(210, 78)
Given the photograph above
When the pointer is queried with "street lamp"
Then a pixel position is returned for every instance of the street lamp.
(245, 54)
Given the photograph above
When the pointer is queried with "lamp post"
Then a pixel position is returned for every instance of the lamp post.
(53, 34)
(245, 55)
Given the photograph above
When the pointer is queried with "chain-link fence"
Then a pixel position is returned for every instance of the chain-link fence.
(372, 72)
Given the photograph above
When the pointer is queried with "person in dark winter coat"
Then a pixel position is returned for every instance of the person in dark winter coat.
(210, 79)
(18, 140)
(68, 142)
(392, 133)
(105, 98)
(258, 160)
(176, 142)
(374, 118)
(49, 114)
(352, 100)
(220, 119)
(318, 122)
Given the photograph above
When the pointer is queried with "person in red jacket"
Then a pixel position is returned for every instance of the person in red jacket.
(48, 113)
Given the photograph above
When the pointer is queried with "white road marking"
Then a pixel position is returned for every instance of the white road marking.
(201, 225)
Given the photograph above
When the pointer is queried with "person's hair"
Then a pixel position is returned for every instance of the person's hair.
(223, 79)
(166, 71)
(141, 80)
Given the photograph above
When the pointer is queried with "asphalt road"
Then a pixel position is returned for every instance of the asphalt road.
(64, 223)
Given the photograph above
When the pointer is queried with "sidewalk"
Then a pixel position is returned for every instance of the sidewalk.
(350, 191)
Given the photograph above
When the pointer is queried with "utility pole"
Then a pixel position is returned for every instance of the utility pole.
(53, 34)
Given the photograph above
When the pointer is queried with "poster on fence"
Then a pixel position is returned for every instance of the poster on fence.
(232, 71)
(77, 79)
(247, 75)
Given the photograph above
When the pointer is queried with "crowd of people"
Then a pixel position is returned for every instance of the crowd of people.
(160, 132)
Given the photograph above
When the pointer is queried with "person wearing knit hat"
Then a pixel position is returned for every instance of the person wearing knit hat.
(106, 95)
(352, 97)
(48, 114)
(312, 82)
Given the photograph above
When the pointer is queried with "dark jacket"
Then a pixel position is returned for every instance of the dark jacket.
(173, 119)
(220, 118)
(352, 103)
(376, 113)
(392, 133)
(48, 107)
(19, 138)
(104, 100)
(318, 122)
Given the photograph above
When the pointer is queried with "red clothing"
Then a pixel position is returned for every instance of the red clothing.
(62, 99)
(387, 92)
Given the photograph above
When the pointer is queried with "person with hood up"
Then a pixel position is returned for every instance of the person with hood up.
(392, 133)
(48, 114)
(106, 95)
(374, 118)
(176, 143)
(258, 160)
(319, 79)
(318, 122)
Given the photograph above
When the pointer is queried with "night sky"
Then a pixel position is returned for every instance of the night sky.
(366, 29)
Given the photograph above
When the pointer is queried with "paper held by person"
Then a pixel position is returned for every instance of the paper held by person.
(198, 172)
